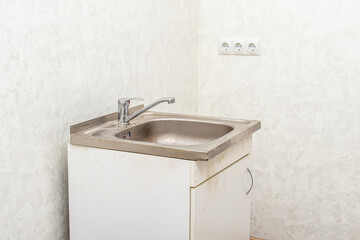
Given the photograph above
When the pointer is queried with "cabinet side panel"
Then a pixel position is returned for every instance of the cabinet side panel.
(119, 195)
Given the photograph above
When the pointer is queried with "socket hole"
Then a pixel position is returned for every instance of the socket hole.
(252, 47)
(238, 46)
(225, 46)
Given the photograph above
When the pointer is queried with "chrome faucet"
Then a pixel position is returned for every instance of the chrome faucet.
(124, 103)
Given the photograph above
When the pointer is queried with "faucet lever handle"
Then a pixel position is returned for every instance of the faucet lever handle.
(122, 101)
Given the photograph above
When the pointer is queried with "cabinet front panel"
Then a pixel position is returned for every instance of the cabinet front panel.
(220, 207)
(203, 170)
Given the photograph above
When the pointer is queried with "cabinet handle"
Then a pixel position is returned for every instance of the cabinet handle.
(252, 182)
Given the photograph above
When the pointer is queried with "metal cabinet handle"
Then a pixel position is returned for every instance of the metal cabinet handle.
(252, 182)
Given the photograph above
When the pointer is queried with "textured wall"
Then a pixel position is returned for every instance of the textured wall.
(305, 88)
(63, 62)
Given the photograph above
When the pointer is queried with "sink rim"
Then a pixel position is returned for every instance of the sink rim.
(83, 134)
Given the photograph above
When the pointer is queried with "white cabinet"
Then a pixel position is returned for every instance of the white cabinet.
(220, 207)
(122, 195)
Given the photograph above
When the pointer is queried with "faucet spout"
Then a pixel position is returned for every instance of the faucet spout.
(126, 119)
(169, 100)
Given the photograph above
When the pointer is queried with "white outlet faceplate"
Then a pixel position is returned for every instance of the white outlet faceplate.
(239, 46)
(224, 46)
(253, 47)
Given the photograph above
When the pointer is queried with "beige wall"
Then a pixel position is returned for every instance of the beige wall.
(305, 88)
(63, 62)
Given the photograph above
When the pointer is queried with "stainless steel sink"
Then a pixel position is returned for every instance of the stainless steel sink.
(164, 134)
(175, 132)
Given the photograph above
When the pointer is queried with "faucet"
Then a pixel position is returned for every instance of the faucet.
(124, 103)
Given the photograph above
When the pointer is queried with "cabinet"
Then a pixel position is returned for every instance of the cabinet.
(122, 195)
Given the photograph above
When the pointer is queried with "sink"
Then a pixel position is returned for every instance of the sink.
(173, 135)
(175, 132)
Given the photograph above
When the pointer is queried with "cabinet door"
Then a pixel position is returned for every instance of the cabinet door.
(220, 207)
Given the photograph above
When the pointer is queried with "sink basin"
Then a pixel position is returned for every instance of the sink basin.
(175, 132)
(164, 134)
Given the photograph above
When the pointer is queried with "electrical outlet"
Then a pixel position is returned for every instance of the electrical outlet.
(238, 46)
(253, 47)
(224, 45)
